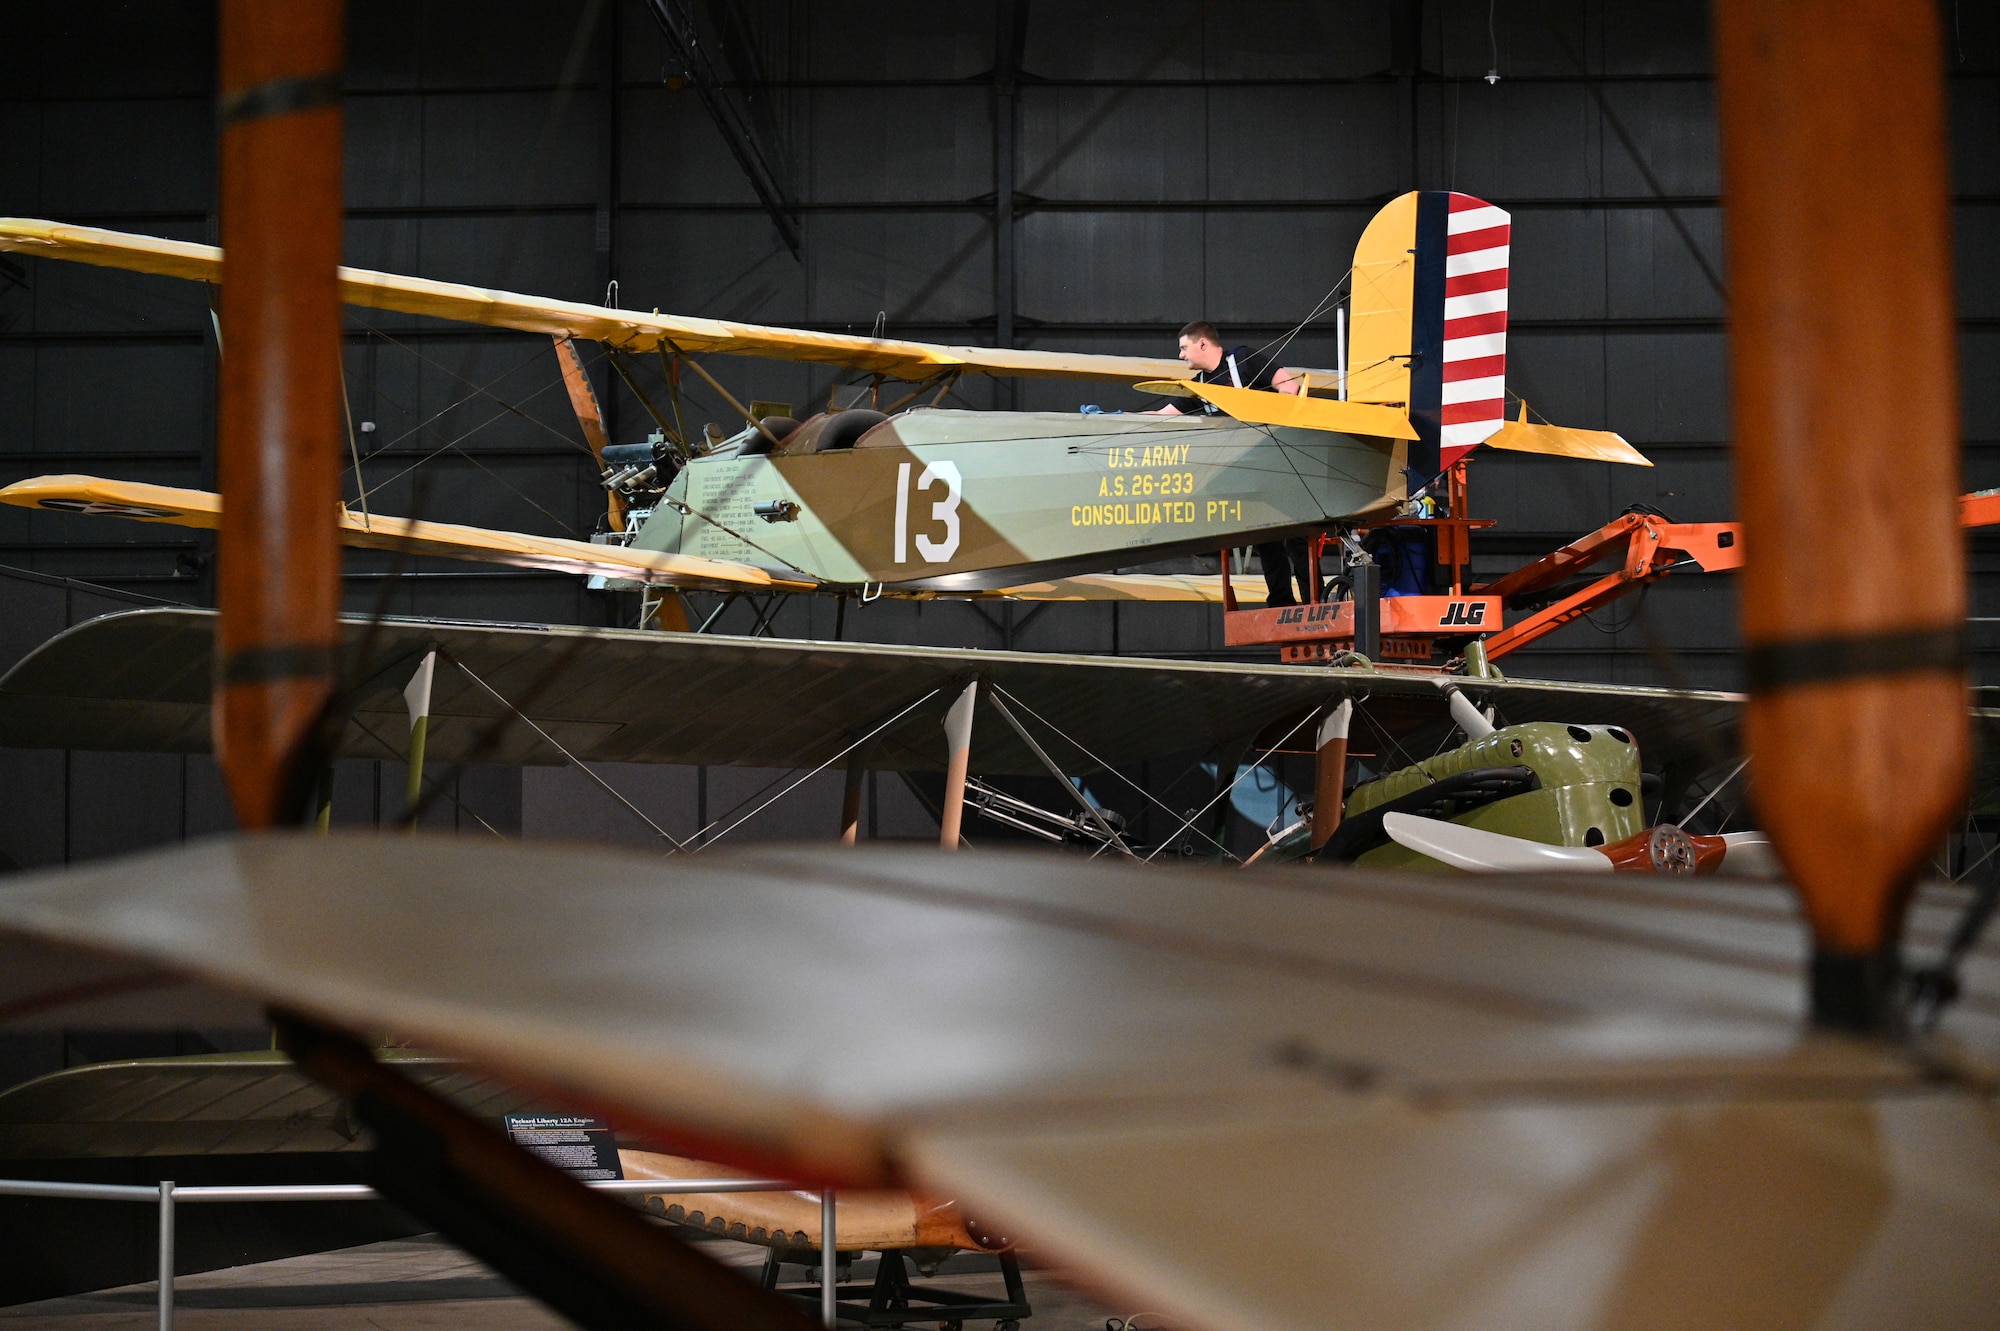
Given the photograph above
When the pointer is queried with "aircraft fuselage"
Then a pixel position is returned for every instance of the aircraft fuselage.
(966, 500)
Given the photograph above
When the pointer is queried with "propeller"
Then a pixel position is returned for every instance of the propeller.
(1663, 849)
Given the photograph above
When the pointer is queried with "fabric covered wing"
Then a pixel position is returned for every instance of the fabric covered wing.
(98, 497)
(625, 329)
(140, 680)
(1299, 410)
(1456, 1103)
(209, 1104)
(1177, 587)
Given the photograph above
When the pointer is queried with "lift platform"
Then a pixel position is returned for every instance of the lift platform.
(1434, 632)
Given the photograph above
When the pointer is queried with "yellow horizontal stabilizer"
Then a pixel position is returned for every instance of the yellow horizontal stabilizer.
(200, 508)
(625, 329)
(1262, 407)
(1563, 442)
(1204, 588)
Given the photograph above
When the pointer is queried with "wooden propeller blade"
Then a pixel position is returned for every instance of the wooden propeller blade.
(1835, 174)
(278, 424)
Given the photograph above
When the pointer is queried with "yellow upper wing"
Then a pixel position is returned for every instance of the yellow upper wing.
(199, 508)
(1262, 407)
(625, 329)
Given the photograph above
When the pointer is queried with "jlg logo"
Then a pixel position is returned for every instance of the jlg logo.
(1468, 613)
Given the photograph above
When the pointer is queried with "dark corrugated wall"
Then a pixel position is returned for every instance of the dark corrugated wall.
(1171, 160)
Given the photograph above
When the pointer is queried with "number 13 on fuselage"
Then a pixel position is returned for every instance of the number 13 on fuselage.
(943, 510)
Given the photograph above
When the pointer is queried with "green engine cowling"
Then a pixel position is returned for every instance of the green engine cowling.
(1587, 792)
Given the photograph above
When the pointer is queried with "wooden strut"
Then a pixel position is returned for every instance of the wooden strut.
(278, 426)
(682, 358)
(590, 419)
(1836, 182)
(958, 750)
(1330, 771)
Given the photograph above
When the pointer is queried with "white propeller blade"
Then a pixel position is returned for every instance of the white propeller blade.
(1749, 855)
(1478, 851)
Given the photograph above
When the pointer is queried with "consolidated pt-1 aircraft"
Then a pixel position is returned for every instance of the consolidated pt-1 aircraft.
(932, 500)
(1582, 1078)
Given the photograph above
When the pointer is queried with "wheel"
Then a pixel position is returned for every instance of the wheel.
(951, 1326)
(1009, 1325)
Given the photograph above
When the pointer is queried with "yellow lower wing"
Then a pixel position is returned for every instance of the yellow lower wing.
(1262, 407)
(1201, 588)
(199, 508)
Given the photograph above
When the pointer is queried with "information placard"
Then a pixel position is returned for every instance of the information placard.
(581, 1147)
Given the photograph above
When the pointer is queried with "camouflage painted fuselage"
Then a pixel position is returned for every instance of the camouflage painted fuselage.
(968, 500)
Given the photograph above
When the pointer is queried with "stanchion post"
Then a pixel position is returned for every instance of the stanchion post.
(1367, 592)
(166, 1255)
(829, 1262)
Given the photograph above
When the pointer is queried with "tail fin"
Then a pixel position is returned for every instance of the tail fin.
(1429, 309)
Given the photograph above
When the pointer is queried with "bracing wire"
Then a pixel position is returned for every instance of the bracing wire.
(1242, 770)
(701, 839)
(1148, 795)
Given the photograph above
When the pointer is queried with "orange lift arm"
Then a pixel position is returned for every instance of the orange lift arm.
(1652, 547)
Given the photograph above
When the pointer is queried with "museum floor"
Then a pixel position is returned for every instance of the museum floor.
(420, 1284)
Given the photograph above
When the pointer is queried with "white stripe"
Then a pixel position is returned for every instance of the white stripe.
(1476, 261)
(1477, 219)
(1479, 302)
(1471, 348)
(1475, 390)
(1234, 378)
(1466, 433)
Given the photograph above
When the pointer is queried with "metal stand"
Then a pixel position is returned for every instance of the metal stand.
(166, 1255)
(894, 1300)
(1366, 580)
(594, 1260)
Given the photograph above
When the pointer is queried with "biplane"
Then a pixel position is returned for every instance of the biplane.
(927, 500)
(1258, 1100)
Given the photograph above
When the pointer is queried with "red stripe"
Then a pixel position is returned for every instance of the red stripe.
(1476, 325)
(1465, 203)
(1466, 284)
(1449, 455)
(1462, 413)
(1465, 242)
(1478, 367)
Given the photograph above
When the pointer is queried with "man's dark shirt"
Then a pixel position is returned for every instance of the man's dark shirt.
(1252, 371)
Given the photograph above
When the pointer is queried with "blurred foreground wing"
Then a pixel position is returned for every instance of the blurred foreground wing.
(1270, 1101)
(200, 508)
(625, 329)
